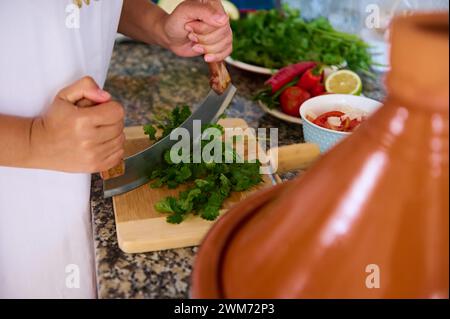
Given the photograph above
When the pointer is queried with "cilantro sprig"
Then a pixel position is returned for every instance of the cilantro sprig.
(209, 184)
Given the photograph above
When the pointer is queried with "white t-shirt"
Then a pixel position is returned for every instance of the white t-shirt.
(46, 244)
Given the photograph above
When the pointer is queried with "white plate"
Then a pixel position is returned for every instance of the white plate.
(279, 114)
(250, 67)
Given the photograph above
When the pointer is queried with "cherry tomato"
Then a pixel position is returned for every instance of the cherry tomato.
(292, 98)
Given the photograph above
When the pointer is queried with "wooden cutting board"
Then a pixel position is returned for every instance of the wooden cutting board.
(140, 228)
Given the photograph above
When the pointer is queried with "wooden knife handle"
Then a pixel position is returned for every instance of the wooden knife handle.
(116, 171)
(295, 157)
(219, 77)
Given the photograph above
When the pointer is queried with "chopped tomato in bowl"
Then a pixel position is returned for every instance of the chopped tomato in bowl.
(327, 119)
(337, 121)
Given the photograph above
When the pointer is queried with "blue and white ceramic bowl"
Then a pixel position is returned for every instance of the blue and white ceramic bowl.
(323, 137)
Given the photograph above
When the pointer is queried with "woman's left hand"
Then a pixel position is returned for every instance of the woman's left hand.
(199, 27)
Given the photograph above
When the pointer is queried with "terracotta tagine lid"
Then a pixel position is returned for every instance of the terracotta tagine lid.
(371, 218)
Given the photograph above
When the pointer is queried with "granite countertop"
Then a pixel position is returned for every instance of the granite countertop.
(147, 80)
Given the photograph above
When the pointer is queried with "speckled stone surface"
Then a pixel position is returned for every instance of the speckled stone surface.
(147, 80)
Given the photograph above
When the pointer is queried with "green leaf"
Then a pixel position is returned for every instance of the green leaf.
(166, 205)
(175, 219)
(183, 174)
(150, 130)
(212, 208)
(157, 184)
(201, 183)
(187, 203)
(167, 158)
(225, 184)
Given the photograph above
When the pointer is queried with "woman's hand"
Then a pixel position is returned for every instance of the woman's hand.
(79, 140)
(195, 27)
(199, 27)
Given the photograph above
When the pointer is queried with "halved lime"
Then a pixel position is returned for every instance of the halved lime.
(344, 82)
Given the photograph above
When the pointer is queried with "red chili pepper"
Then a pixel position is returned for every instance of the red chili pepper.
(287, 74)
(311, 79)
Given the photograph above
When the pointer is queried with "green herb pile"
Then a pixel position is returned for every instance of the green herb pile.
(167, 122)
(274, 39)
(210, 184)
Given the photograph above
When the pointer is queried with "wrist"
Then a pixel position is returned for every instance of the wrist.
(163, 38)
(35, 143)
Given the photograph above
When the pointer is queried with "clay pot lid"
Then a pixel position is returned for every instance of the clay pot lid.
(417, 75)
(207, 273)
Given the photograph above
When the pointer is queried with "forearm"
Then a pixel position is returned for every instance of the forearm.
(15, 141)
(143, 20)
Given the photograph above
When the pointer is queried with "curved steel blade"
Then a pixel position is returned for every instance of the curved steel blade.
(139, 167)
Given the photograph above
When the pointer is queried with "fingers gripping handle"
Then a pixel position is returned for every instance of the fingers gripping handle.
(116, 171)
(219, 77)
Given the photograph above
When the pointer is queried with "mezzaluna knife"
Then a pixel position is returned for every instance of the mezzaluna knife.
(135, 170)
(138, 167)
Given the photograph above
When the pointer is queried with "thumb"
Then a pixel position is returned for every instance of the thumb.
(211, 13)
(85, 88)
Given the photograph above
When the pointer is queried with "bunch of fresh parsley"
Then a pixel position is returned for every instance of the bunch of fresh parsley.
(210, 184)
(275, 38)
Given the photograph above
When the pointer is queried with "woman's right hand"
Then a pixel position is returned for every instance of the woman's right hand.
(79, 140)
